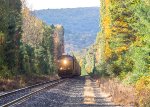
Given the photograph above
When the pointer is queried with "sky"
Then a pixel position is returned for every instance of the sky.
(55, 4)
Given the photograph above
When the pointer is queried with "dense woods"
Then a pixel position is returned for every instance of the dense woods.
(27, 44)
(125, 33)
(10, 34)
(122, 48)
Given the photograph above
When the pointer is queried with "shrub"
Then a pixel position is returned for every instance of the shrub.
(143, 91)
(100, 70)
(5, 72)
(122, 75)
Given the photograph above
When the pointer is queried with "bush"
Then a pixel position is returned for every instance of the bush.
(113, 69)
(5, 72)
(143, 91)
(100, 71)
(122, 75)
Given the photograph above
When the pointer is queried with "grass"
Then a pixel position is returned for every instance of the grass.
(23, 80)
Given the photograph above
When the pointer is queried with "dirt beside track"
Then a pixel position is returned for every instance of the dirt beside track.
(119, 93)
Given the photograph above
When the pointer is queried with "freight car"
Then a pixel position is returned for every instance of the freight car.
(68, 66)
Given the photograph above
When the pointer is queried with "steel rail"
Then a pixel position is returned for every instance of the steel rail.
(32, 93)
(28, 87)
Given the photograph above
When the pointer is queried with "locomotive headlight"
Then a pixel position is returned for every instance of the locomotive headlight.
(65, 62)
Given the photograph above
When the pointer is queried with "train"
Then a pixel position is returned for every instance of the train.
(68, 66)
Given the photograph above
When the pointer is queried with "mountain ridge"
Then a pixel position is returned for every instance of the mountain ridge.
(81, 24)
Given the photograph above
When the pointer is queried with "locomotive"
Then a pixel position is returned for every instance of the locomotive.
(68, 66)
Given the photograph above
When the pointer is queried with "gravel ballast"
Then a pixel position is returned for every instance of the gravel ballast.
(75, 92)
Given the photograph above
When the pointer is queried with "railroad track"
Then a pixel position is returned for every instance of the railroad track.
(37, 88)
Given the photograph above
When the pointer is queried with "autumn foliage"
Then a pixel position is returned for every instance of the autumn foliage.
(122, 47)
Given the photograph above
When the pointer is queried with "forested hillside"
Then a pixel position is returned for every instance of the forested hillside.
(120, 53)
(122, 48)
(81, 25)
(27, 45)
